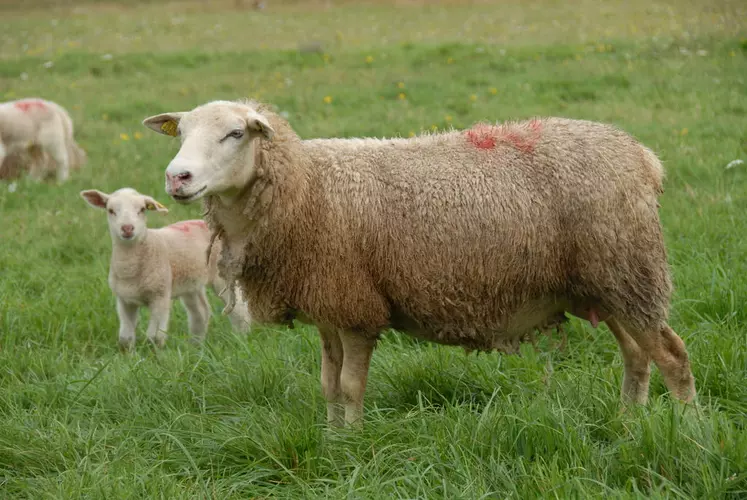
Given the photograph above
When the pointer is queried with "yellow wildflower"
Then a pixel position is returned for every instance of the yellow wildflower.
(473, 98)
(369, 59)
(411, 134)
(401, 85)
(327, 99)
(137, 135)
(493, 90)
(447, 118)
(402, 96)
(450, 60)
(124, 137)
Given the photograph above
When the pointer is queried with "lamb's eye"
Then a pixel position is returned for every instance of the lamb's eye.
(111, 212)
(236, 134)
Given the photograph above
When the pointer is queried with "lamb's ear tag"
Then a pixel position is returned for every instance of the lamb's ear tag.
(159, 206)
(169, 128)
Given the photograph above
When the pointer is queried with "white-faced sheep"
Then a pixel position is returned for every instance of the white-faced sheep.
(150, 267)
(37, 136)
(473, 238)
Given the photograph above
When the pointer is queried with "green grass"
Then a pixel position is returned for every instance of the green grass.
(243, 417)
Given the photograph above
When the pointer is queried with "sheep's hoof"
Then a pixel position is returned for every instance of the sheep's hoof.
(126, 345)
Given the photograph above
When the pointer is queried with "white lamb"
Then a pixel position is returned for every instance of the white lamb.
(150, 267)
(33, 131)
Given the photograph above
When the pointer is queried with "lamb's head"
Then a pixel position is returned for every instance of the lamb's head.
(126, 208)
(216, 157)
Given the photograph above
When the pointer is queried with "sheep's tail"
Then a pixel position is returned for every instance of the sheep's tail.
(655, 166)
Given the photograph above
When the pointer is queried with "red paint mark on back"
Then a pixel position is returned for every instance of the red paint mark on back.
(482, 136)
(186, 225)
(29, 104)
(523, 136)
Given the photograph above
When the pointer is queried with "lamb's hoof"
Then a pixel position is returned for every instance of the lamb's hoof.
(126, 345)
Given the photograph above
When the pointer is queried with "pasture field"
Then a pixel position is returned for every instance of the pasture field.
(243, 417)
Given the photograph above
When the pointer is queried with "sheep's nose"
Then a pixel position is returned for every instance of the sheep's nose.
(127, 229)
(175, 182)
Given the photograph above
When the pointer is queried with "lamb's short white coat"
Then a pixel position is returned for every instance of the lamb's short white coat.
(151, 267)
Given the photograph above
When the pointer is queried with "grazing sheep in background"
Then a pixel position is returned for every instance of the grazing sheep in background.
(150, 267)
(37, 136)
(473, 238)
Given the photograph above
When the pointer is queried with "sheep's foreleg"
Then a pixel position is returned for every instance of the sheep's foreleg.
(159, 321)
(357, 350)
(127, 324)
(332, 357)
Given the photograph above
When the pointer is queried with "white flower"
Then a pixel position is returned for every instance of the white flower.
(733, 163)
(12, 187)
(48, 64)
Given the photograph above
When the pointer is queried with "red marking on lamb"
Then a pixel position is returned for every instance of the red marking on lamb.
(482, 136)
(29, 104)
(185, 226)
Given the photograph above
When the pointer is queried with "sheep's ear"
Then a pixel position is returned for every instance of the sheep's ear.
(258, 123)
(152, 204)
(95, 198)
(165, 123)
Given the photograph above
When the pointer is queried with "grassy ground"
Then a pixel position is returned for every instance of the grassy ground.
(242, 417)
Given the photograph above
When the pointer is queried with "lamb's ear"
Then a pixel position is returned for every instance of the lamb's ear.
(152, 204)
(95, 198)
(257, 123)
(165, 123)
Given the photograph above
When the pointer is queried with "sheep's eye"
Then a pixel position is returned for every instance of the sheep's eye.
(111, 212)
(236, 134)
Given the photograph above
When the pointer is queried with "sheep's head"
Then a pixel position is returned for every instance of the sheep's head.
(126, 208)
(217, 152)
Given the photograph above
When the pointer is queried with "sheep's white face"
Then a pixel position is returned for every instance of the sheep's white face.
(217, 152)
(126, 211)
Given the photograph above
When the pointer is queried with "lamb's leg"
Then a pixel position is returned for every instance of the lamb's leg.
(160, 309)
(332, 357)
(668, 351)
(198, 314)
(637, 365)
(53, 143)
(127, 324)
(357, 350)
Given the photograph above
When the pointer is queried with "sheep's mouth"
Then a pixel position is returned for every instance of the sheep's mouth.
(189, 197)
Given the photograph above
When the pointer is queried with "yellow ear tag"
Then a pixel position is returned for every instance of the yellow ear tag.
(159, 205)
(169, 128)
(150, 206)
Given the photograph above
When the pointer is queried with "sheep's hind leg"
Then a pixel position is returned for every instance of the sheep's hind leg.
(357, 350)
(670, 355)
(637, 364)
(127, 324)
(332, 357)
(160, 309)
(52, 143)
(198, 314)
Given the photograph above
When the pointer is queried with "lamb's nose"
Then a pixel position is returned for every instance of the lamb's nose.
(127, 229)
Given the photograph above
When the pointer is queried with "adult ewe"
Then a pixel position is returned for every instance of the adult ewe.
(33, 132)
(473, 238)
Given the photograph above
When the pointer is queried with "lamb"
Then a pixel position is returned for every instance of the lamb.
(474, 238)
(150, 267)
(37, 135)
